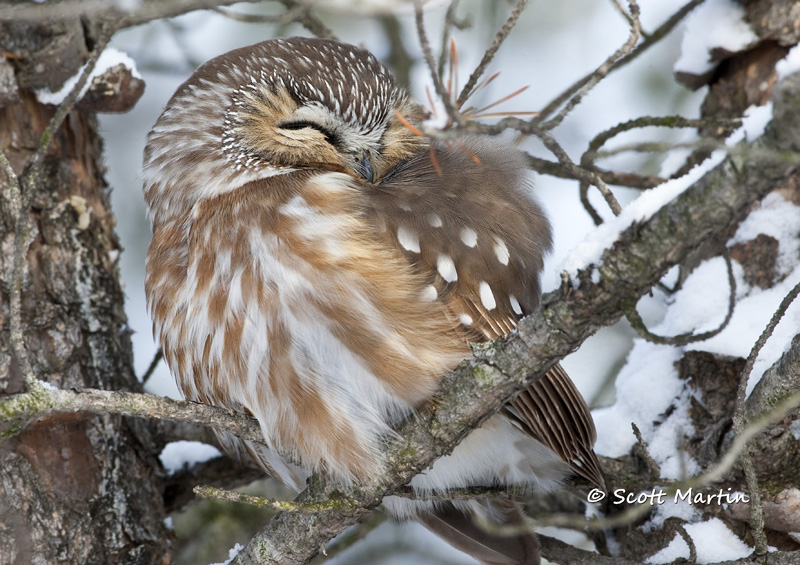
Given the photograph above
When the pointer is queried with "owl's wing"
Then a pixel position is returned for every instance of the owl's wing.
(479, 238)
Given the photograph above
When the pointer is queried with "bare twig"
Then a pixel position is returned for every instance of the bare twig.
(438, 85)
(580, 173)
(622, 12)
(601, 71)
(683, 339)
(209, 492)
(153, 366)
(292, 14)
(689, 542)
(631, 180)
(644, 453)
(652, 39)
(756, 510)
(15, 197)
(490, 53)
(449, 22)
(311, 22)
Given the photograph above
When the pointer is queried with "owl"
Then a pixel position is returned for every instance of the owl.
(317, 264)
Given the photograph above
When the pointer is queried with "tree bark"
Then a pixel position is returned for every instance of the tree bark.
(74, 488)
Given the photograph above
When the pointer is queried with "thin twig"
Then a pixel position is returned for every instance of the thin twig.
(641, 448)
(645, 121)
(449, 22)
(681, 531)
(683, 339)
(19, 271)
(153, 365)
(438, 85)
(756, 510)
(210, 492)
(622, 11)
(652, 39)
(307, 18)
(601, 71)
(292, 14)
(580, 173)
(630, 180)
(490, 52)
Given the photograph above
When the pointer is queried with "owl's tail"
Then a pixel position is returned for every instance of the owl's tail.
(459, 529)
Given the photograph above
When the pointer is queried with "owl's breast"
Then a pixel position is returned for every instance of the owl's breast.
(280, 299)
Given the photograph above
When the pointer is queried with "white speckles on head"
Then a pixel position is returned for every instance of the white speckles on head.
(434, 220)
(408, 239)
(501, 251)
(469, 237)
(515, 304)
(487, 296)
(446, 268)
(465, 319)
(429, 293)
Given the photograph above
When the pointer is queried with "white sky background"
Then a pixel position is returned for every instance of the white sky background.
(554, 44)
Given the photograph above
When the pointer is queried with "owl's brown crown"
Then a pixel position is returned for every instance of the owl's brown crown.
(270, 108)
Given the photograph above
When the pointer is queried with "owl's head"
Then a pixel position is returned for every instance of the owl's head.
(271, 108)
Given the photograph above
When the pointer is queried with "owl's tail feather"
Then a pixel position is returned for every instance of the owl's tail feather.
(460, 530)
(290, 475)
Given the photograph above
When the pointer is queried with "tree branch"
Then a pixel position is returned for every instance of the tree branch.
(20, 410)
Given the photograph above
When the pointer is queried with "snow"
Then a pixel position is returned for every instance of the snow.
(646, 387)
(777, 218)
(108, 59)
(648, 384)
(179, 454)
(716, 24)
(232, 553)
(789, 64)
(755, 122)
(673, 508)
(48, 385)
(713, 541)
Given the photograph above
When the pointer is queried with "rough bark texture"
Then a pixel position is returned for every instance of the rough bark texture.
(74, 488)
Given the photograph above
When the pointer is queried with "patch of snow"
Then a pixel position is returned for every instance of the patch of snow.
(715, 24)
(109, 58)
(178, 454)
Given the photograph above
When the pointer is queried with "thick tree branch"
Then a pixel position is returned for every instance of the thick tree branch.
(18, 411)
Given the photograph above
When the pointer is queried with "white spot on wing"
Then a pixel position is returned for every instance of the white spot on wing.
(515, 304)
(465, 319)
(501, 251)
(434, 220)
(487, 296)
(408, 239)
(469, 237)
(429, 293)
(446, 268)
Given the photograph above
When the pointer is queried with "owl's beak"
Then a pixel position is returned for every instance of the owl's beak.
(364, 168)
